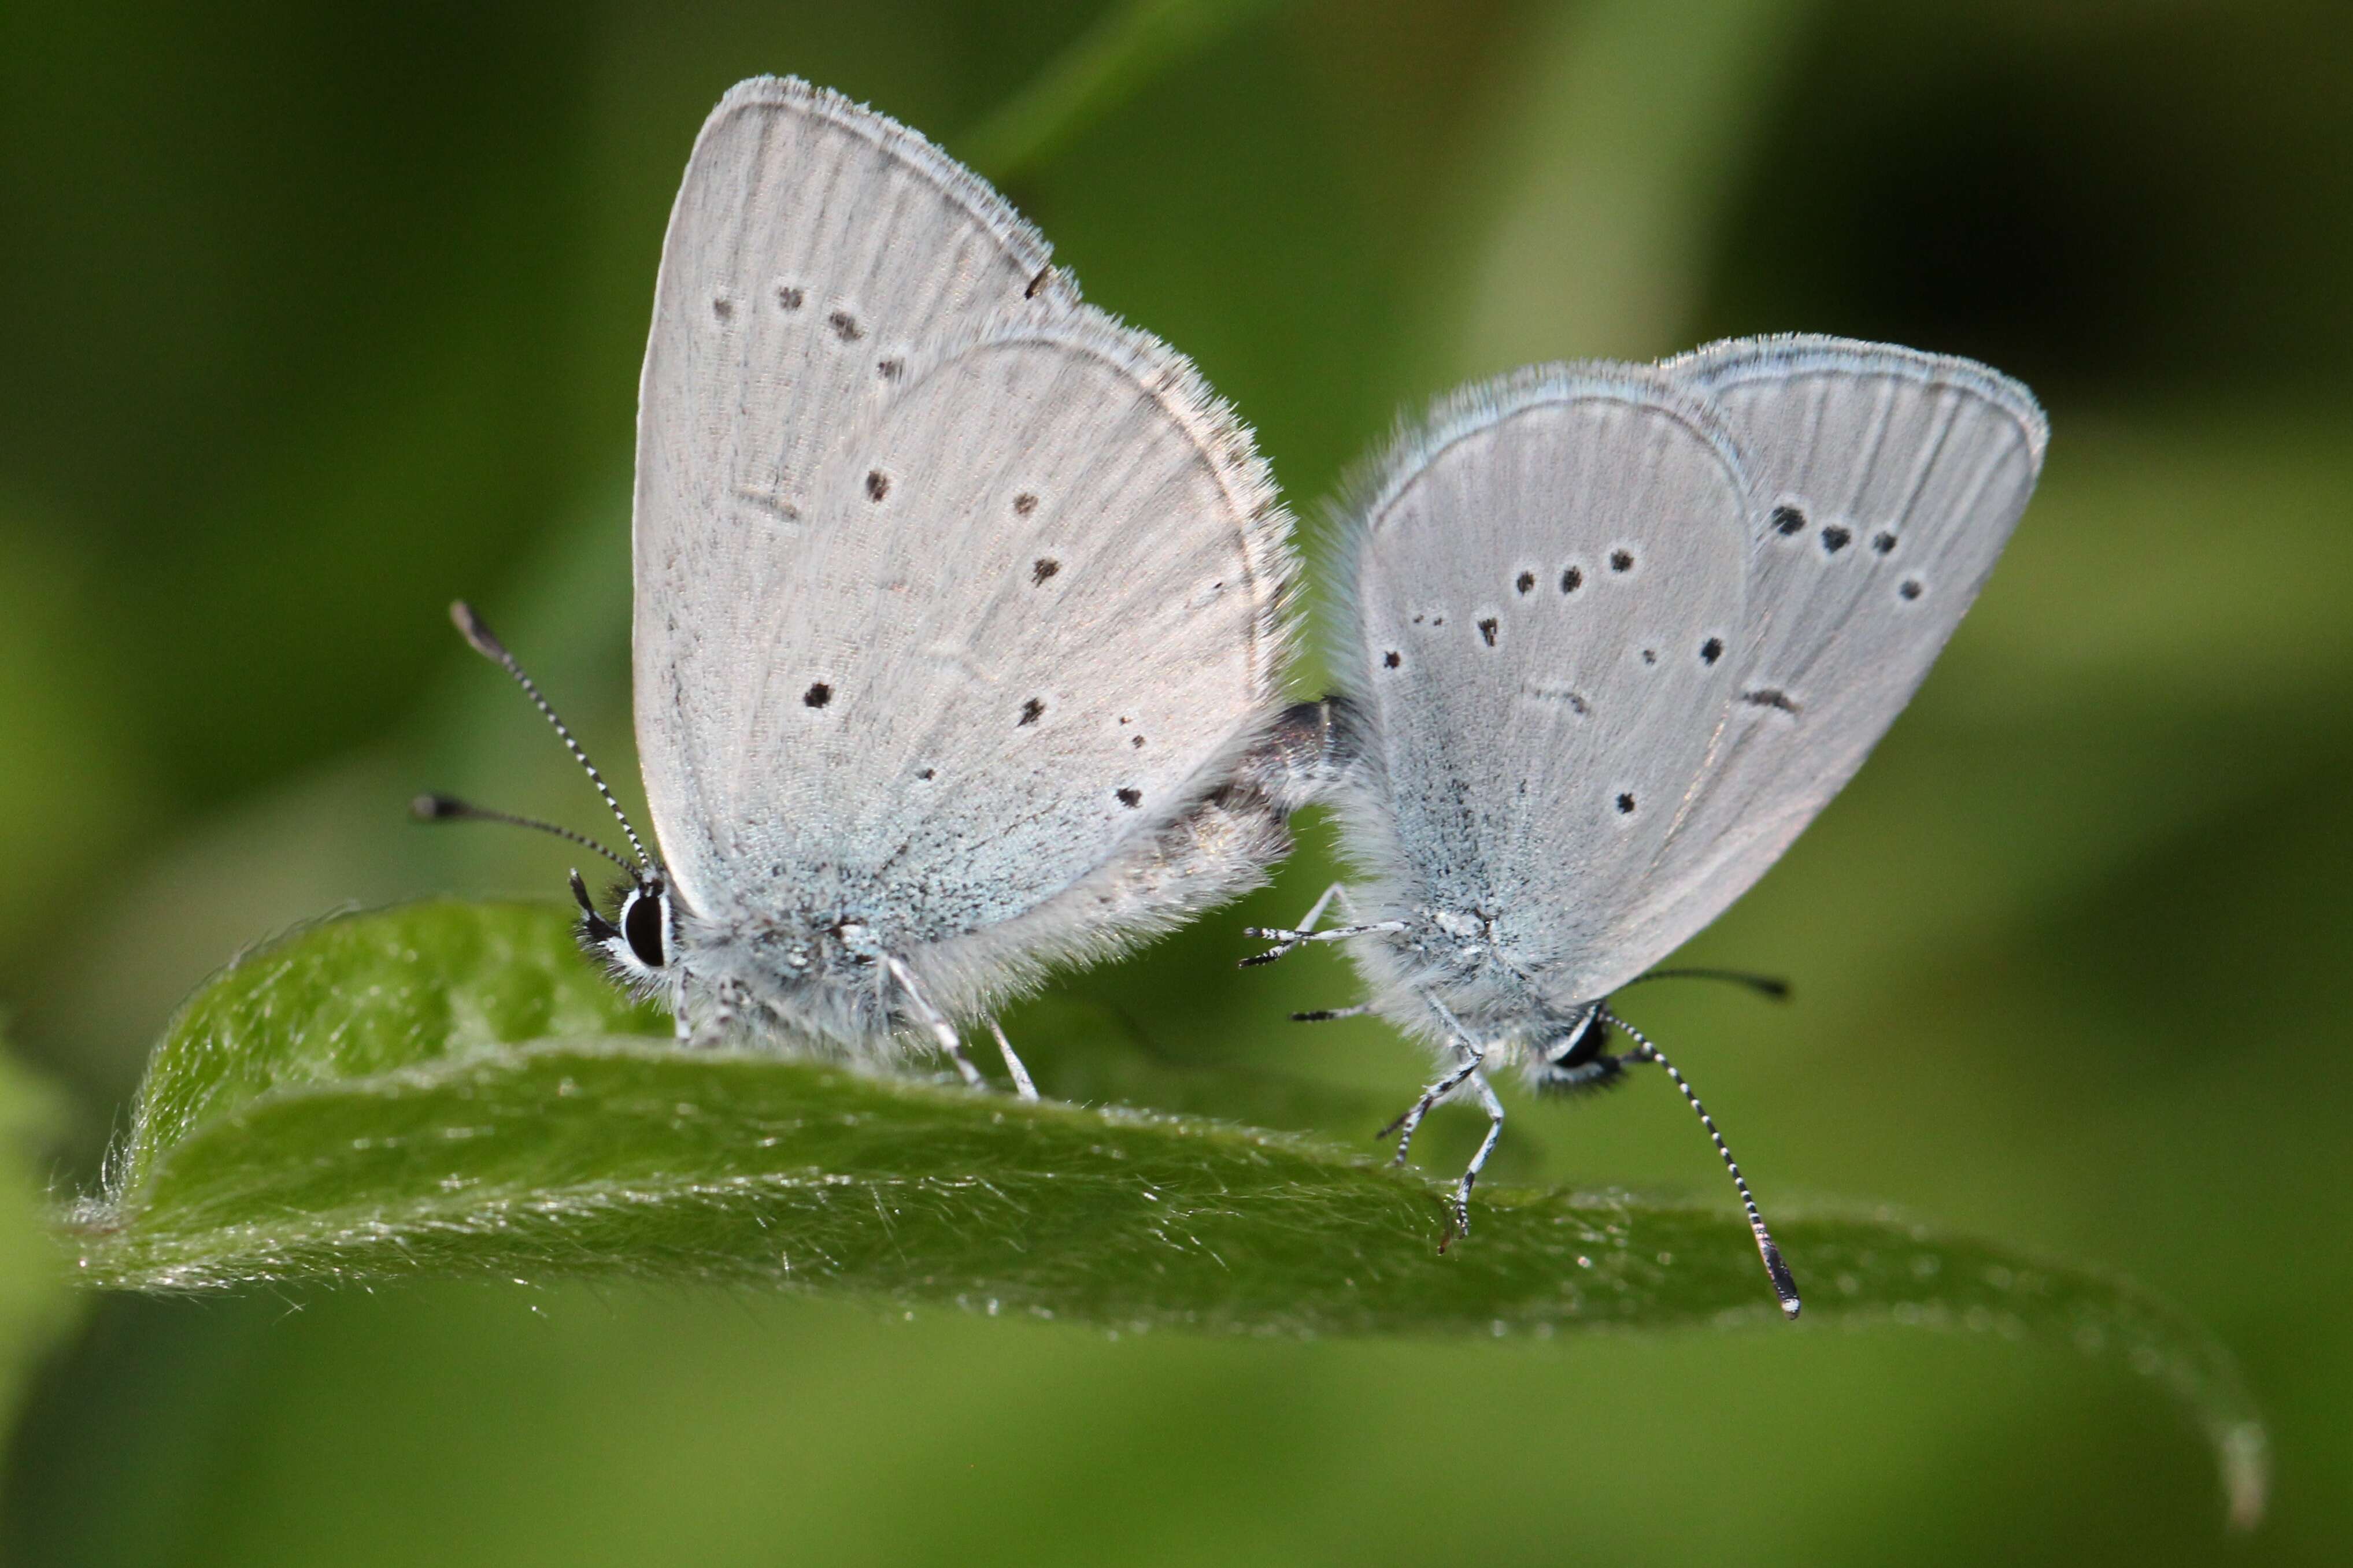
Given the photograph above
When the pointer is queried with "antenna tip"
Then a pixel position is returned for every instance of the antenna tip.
(1785, 1285)
(469, 626)
(436, 807)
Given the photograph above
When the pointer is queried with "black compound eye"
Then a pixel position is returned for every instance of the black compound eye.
(641, 922)
(1590, 1040)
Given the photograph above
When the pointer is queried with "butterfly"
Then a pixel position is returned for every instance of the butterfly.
(1610, 637)
(961, 610)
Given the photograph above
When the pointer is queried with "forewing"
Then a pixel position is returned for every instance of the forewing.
(814, 247)
(1890, 481)
(1547, 585)
(1034, 611)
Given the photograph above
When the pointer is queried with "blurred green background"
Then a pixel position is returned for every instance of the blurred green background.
(318, 316)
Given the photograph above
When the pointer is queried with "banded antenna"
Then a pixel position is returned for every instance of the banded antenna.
(449, 808)
(442, 808)
(1784, 1284)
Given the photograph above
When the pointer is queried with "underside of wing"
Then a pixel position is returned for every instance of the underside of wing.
(1545, 582)
(815, 248)
(1033, 614)
(1888, 482)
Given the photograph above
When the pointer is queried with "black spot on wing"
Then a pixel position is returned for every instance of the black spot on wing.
(845, 326)
(1045, 566)
(1711, 650)
(1788, 521)
(1525, 581)
(1032, 711)
(1571, 580)
(1130, 798)
(1487, 630)
(818, 695)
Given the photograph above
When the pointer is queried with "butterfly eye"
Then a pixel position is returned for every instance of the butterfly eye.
(641, 922)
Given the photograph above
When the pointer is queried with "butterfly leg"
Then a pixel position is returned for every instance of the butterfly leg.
(1494, 1108)
(1407, 1125)
(1306, 925)
(1289, 941)
(943, 1033)
(1022, 1084)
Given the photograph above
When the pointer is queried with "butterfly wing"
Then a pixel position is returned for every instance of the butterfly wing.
(1889, 481)
(1034, 617)
(1545, 583)
(813, 247)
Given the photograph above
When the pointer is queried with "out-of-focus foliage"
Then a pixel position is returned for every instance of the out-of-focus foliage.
(321, 315)
(36, 1301)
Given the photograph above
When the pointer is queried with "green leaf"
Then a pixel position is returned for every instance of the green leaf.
(449, 1090)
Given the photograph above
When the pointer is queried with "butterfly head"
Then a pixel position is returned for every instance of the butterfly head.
(638, 942)
(1577, 1064)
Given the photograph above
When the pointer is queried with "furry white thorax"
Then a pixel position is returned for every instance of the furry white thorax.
(1466, 964)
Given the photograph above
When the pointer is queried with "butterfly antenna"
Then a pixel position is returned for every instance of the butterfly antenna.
(448, 809)
(1771, 985)
(1784, 1286)
(486, 644)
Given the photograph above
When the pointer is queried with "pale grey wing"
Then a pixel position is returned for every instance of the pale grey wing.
(1890, 481)
(1035, 614)
(813, 247)
(1546, 582)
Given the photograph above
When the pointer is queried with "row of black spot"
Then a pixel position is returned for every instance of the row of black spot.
(1573, 578)
(790, 299)
(878, 485)
(1032, 710)
(1709, 651)
(845, 325)
(1789, 522)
